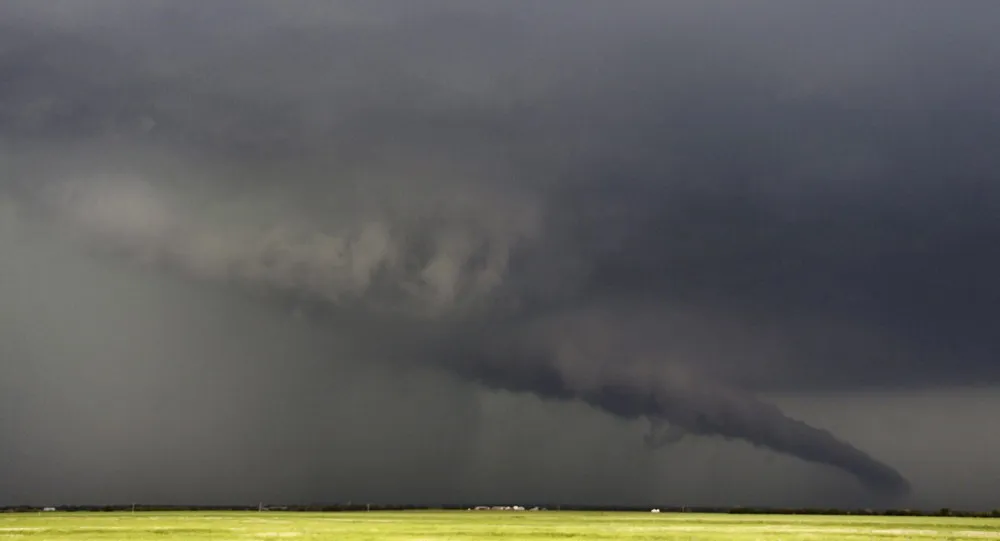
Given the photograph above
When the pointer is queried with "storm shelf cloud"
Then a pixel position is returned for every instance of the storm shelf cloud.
(285, 221)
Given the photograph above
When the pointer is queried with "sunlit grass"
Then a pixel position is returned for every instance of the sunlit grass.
(467, 525)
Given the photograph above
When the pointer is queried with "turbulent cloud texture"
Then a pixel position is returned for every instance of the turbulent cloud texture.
(663, 211)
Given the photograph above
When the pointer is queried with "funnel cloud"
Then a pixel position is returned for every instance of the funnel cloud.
(281, 250)
(443, 271)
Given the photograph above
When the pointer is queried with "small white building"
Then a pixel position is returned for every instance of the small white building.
(654, 510)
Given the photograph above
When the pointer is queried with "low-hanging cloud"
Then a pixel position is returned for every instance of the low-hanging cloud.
(443, 271)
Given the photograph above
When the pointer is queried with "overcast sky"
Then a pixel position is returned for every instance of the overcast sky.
(654, 252)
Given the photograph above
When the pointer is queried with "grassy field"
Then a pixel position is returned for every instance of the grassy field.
(459, 525)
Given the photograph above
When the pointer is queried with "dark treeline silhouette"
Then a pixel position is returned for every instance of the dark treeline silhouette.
(870, 512)
(354, 507)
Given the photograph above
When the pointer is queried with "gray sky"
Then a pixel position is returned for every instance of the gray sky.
(434, 251)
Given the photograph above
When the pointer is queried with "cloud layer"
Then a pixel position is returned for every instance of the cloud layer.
(658, 211)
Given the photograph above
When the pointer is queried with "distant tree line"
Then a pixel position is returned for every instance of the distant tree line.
(944, 512)
(209, 508)
(354, 507)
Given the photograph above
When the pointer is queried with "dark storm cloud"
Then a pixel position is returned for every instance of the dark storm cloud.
(694, 200)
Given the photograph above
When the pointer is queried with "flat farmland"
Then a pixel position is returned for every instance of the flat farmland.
(468, 525)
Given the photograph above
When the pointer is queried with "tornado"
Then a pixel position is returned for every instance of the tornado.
(716, 411)
(356, 273)
(696, 407)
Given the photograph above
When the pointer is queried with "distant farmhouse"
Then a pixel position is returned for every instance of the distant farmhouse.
(501, 508)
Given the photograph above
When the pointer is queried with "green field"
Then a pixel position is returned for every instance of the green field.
(426, 526)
